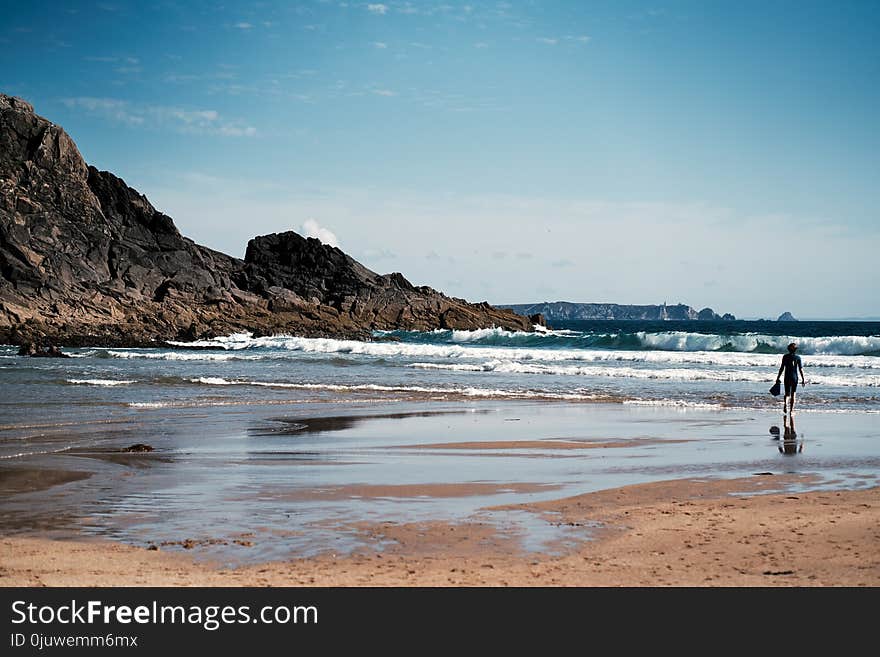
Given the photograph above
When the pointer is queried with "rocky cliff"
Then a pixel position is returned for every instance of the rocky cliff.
(86, 259)
(565, 310)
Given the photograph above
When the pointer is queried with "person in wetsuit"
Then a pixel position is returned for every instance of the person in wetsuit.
(791, 365)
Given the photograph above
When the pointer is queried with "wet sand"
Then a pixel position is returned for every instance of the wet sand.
(546, 443)
(20, 480)
(730, 532)
(407, 491)
(450, 495)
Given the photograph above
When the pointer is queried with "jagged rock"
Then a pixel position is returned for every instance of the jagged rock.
(37, 351)
(707, 314)
(786, 317)
(87, 260)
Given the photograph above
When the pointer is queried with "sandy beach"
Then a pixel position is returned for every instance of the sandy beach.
(669, 533)
(450, 494)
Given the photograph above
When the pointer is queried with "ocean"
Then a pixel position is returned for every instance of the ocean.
(681, 364)
(299, 439)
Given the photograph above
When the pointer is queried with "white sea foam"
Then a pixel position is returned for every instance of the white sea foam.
(100, 382)
(464, 351)
(467, 391)
(844, 345)
(672, 374)
(485, 334)
(184, 356)
(676, 403)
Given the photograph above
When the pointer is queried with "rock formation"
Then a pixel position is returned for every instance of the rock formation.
(87, 260)
(786, 317)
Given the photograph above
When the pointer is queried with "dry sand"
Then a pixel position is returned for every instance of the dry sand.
(674, 533)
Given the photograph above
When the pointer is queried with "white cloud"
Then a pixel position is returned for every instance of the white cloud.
(205, 121)
(243, 26)
(378, 8)
(312, 228)
(384, 92)
(481, 44)
(379, 44)
(548, 41)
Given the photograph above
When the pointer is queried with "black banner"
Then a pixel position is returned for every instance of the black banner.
(158, 620)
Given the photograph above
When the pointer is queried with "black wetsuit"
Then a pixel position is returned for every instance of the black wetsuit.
(791, 363)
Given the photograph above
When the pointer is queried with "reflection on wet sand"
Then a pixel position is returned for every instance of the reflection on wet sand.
(789, 444)
(283, 426)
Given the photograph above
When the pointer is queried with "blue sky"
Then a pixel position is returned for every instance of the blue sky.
(714, 153)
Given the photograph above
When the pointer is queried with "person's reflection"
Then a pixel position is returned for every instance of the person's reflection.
(789, 444)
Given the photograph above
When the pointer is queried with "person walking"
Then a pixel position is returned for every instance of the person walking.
(791, 365)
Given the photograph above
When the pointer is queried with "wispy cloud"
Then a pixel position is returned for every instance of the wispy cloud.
(112, 59)
(377, 8)
(199, 121)
(568, 38)
(243, 26)
(111, 108)
(384, 92)
(381, 45)
(126, 65)
(379, 254)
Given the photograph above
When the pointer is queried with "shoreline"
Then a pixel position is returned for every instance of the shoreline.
(730, 532)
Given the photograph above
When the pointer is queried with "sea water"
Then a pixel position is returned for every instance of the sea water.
(246, 429)
(688, 364)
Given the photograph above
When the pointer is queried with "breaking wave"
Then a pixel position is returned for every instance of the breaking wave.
(402, 342)
(670, 347)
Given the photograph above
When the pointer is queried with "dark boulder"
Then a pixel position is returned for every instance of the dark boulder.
(138, 448)
(39, 351)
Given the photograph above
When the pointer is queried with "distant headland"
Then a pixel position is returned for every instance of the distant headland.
(567, 310)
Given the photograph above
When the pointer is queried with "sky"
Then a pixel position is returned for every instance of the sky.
(721, 154)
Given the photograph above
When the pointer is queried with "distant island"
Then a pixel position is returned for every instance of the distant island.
(567, 310)
(786, 317)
